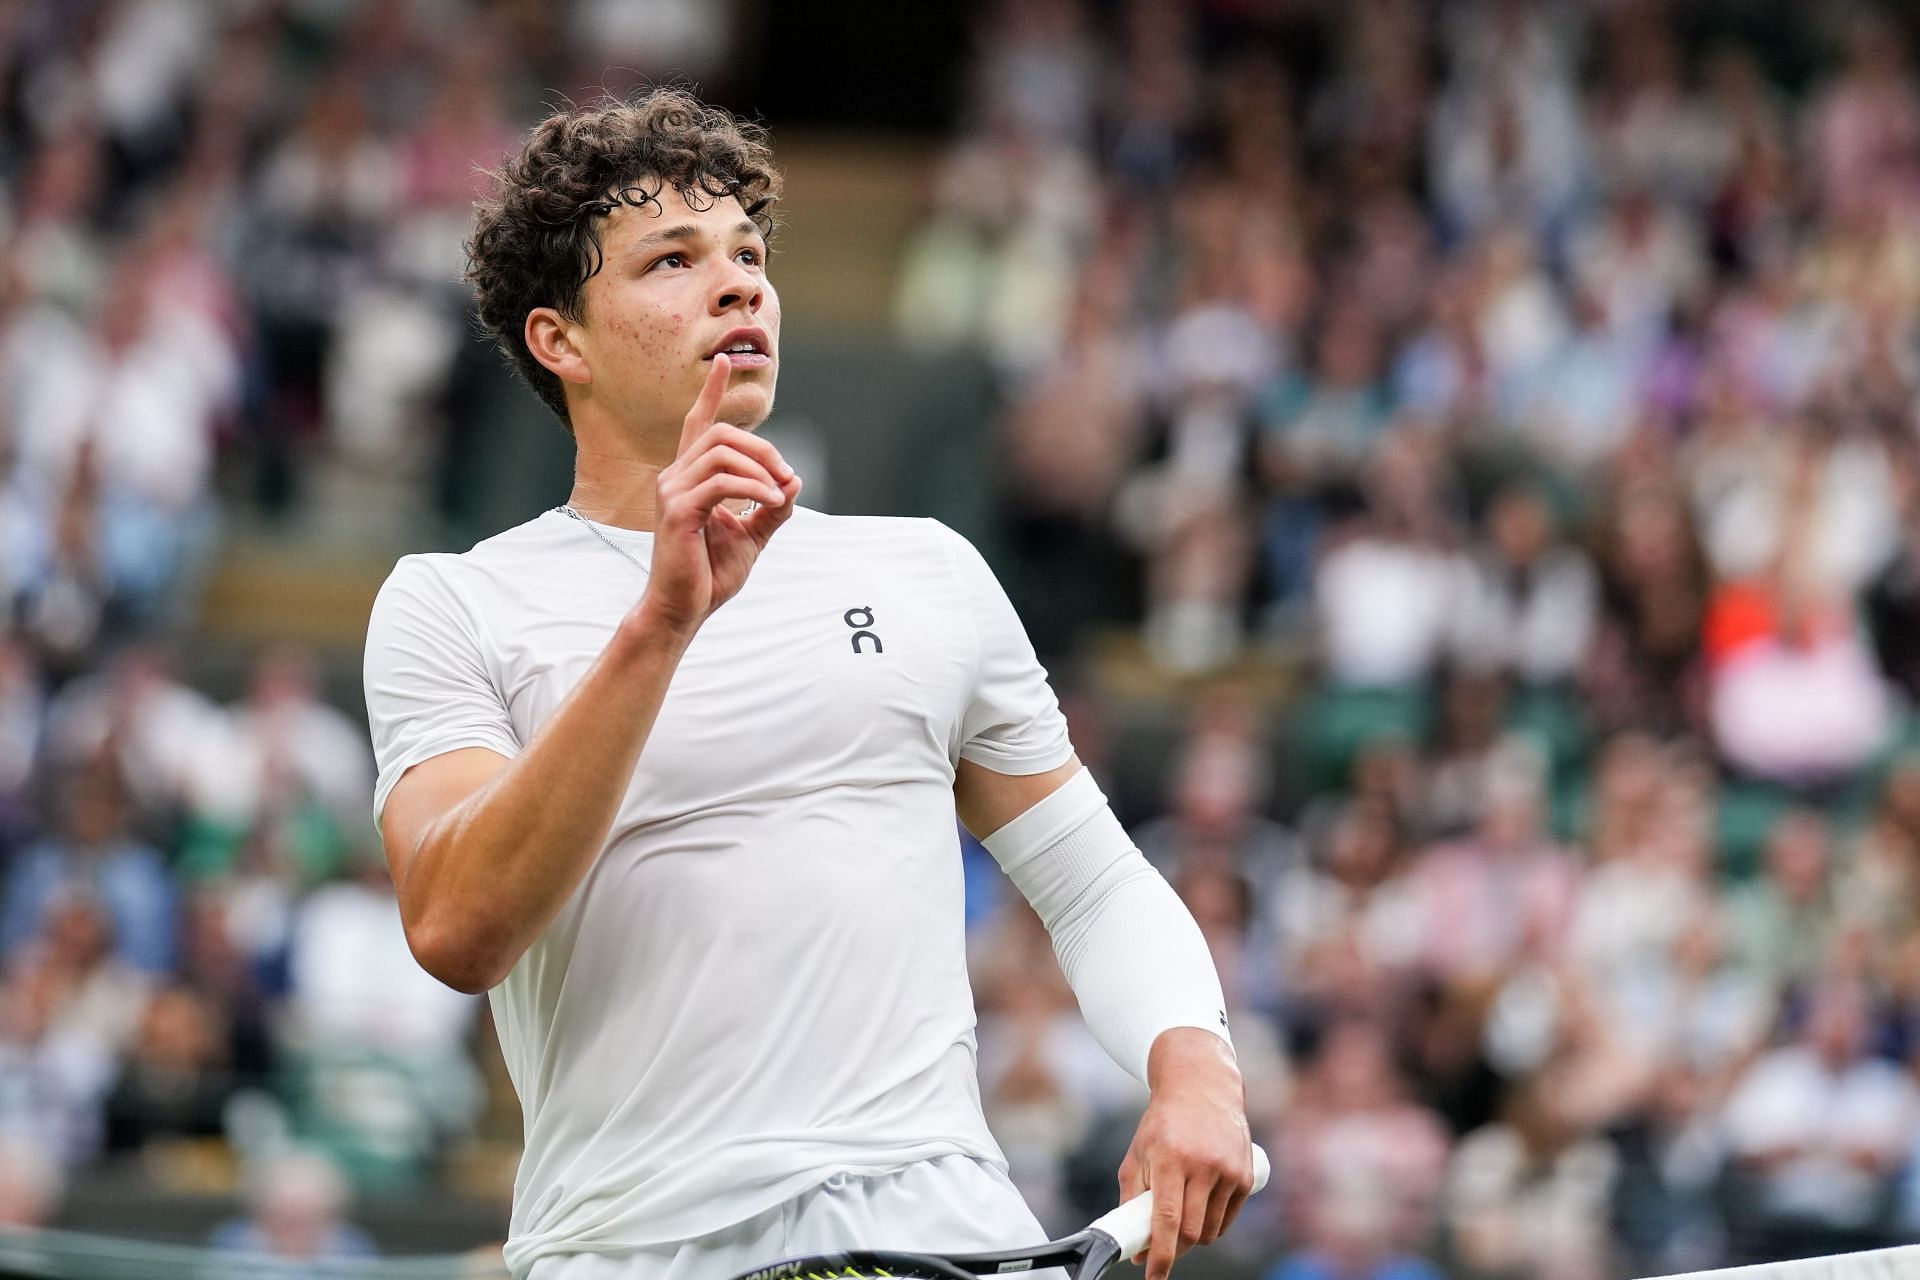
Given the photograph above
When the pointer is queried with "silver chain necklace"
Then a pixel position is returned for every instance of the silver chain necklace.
(598, 533)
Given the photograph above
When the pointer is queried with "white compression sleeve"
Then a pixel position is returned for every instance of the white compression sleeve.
(1129, 947)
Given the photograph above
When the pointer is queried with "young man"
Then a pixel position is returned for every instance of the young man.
(702, 858)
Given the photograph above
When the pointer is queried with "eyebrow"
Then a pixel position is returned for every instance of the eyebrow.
(688, 231)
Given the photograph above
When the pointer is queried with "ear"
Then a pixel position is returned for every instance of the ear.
(555, 343)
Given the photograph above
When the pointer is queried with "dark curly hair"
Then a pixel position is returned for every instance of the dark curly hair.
(537, 242)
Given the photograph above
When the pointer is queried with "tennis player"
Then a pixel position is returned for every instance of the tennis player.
(671, 774)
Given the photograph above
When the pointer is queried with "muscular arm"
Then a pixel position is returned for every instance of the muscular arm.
(1127, 944)
(1145, 982)
(485, 850)
(988, 801)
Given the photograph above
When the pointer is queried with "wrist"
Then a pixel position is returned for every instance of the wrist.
(1183, 1054)
(648, 632)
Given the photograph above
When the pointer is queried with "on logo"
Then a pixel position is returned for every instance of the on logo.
(860, 618)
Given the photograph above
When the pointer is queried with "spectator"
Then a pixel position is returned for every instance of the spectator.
(168, 740)
(1648, 883)
(31, 1186)
(1070, 438)
(290, 761)
(1532, 607)
(1389, 587)
(174, 1084)
(53, 1074)
(1529, 1193)
(1780, 926)
(1351, 1121)
(1665, 1197)
(1879, 885)
(1348, 924)
(1502, 894)
(1349, 1238)
(296, 1204)
(1818, 1129)
(1216, 820)
(93, 852)
(1643, 670)
(1864, 129)
(364, 1021)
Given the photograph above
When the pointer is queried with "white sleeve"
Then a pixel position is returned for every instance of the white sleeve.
(1012, 723)
(427, 684)
(1135, 958)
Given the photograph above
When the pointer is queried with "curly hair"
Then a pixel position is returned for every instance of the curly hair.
(536, 243)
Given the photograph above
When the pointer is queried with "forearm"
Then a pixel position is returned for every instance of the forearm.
(1140, 969)
(1130, 949)
(494, 870)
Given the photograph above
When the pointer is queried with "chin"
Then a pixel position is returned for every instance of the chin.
(747, 406)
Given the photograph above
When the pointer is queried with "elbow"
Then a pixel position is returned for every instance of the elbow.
(461, 958)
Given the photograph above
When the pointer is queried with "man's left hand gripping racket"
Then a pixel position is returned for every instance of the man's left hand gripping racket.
(1085, 1254)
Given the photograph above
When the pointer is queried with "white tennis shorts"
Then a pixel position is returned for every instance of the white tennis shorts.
(952, 1204)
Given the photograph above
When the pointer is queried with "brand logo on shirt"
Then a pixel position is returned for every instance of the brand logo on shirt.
(860, 618)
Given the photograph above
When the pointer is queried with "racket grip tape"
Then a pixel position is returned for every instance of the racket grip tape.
(1131, 1225)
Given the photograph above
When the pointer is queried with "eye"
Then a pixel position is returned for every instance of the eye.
(750, 256)
(671, 259)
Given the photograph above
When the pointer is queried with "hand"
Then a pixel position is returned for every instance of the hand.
(702, 551)
(1192, 1147)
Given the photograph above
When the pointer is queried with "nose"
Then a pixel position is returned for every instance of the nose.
(736, 287)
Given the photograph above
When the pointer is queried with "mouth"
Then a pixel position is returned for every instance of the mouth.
(748, 348)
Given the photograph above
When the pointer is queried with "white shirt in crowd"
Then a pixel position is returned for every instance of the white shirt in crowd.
(1791, 1099)
(762, 980)
(1388, 609)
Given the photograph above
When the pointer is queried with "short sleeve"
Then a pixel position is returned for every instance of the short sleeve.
(1012, 723)
(427, 687)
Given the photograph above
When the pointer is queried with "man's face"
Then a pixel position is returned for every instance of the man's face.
(679, 283)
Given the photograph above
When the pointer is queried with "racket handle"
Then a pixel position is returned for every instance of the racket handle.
(1131, 1225)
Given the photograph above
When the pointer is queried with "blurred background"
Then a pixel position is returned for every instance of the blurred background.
(1458, 461)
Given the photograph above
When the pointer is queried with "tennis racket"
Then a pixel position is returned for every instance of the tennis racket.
(1084, 1255)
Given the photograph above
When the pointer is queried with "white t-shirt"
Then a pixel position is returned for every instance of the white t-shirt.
(762, 981)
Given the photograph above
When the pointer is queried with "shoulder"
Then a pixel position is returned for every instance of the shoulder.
(917, 544)
(446, 584)
(510, 548)
(820, 527)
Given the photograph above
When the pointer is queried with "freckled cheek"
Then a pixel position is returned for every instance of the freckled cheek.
(647, 349)
(642, 334)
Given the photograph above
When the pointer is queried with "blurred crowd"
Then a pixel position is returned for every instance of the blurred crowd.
(1538, 382)
(202, 968)
(230, 256)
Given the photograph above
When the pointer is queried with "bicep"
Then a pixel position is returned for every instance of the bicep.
(425, 794)
(987, 800)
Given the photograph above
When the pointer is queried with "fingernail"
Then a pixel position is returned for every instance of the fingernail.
(775, 497)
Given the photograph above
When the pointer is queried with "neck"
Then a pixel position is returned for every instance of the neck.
(617, 462)
(616, 491)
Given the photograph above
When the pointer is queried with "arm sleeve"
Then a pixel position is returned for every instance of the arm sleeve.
(1012, 723)
(1135, 958)
(427, 684)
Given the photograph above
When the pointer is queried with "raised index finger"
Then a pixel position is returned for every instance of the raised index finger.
(707, 406)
